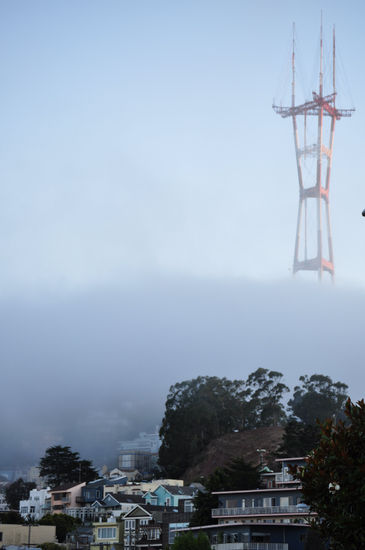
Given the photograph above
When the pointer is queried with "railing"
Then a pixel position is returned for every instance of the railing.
(59, 498)
(284, 478)
(255, 510)
(251, 546)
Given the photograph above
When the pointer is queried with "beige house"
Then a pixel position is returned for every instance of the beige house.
(140, 488)
(26, 535)
(108, 533)
(66, 496)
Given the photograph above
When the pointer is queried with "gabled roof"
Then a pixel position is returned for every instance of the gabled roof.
(137, 512)
(97, 503)
(176, 490)
(123, 497)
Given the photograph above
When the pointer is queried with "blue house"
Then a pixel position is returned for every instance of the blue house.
(94, 490)
(171, 495)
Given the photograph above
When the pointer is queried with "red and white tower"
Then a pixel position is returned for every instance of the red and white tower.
(313, 243)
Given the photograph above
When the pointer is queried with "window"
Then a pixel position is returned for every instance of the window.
(144, 522)
(129, 523)
(167, 503)
(188, 506)
(154, 534)
(107, 532)
(97, 493)
(284, 501)
(32, 509)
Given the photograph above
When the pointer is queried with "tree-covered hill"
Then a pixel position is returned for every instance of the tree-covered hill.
(200, 410)
(220, 452)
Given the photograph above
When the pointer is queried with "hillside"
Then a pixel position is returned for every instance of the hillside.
(221, 451)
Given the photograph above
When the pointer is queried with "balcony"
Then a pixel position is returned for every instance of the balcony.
(251, 546)
(61, 498)
(285, 478)
(260, 510)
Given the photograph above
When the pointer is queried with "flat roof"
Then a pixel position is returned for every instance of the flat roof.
(256, 491)
(293, 458)
(231, 524)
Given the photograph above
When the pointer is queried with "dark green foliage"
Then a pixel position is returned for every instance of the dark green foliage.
(240, 475)
(17, 491)
(11, 517)
(237, 475)
(52, 546)
(333, 480)
(313, 541)
(318, 397)
(64, 524)
(202, 409)
(299, 439)
(197, 411)
(265, 391)
(60, 465)
(187, 541)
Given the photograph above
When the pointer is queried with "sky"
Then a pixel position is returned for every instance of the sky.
(148, 209)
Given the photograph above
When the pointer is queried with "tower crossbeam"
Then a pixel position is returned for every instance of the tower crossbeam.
(316, 189)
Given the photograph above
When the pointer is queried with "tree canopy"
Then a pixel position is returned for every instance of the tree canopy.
(299, 439)
(61, 465)
(265, 392)
(197, 411)
(204, 408)
(333, 480)
(318, 397)
(17, 491)
(64, 524)
(200, 410)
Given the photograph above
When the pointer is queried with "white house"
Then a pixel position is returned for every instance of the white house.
(34, 507)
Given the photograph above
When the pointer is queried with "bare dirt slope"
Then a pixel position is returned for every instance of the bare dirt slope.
(221, 451)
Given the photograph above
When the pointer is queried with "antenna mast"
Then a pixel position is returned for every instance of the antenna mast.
(314, 188)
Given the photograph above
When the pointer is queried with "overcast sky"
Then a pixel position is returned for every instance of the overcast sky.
(148, 207)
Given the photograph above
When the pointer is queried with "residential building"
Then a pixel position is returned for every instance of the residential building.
(114, 486)
(3, 504)
(150, 526)
(141, 530)
(66, 496)
(108, 533)
(35, 506)
(171, 495)
(110, 506)
(274, 516)
(94, 490)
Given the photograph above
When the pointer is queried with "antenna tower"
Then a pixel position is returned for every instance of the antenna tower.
(313, 251)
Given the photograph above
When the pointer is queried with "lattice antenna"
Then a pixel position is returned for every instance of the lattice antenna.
(316, 253)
